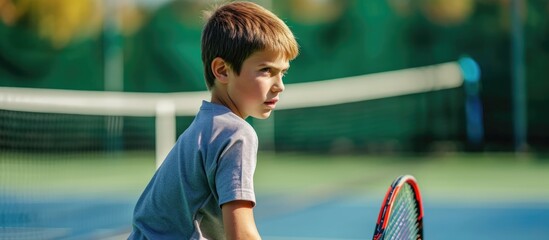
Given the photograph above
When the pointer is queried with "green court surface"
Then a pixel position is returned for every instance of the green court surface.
(468, 177)
(449, 177)
(83, 174)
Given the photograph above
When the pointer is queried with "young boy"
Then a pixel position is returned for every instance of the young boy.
(204, 188)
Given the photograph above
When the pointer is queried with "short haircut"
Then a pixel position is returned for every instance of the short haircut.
(236, 30)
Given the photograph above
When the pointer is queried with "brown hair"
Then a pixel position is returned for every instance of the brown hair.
(236, 30)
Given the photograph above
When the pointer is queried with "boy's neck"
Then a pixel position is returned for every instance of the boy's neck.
(219, 96)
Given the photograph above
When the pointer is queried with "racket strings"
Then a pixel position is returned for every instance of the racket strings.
(403, 223)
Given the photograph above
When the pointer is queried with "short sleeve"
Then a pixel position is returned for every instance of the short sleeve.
(236, 167)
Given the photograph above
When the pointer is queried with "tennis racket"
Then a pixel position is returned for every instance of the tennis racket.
(401, 214)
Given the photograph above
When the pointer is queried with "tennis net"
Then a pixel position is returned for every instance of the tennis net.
(69, 159)
(399, 108)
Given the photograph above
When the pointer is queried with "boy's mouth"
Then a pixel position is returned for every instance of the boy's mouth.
(271, 103)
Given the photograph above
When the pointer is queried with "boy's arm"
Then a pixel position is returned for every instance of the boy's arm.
(238, 220)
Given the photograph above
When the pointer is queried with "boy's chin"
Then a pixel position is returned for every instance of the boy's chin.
(264, 115)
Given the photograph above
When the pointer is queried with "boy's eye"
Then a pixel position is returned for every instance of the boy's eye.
(270, 71)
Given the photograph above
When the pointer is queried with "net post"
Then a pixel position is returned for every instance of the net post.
(165, 125)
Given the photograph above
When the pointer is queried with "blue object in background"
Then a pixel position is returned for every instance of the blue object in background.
(473, 105)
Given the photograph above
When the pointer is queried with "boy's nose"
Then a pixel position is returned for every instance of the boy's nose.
(279, 85)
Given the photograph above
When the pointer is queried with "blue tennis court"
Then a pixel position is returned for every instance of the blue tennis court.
(349, 217)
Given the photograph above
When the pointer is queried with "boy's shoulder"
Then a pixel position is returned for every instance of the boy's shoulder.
(215, 126)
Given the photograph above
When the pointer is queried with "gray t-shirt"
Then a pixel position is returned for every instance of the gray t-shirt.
(212, 163)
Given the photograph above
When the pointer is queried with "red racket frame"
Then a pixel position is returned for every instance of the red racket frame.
(387, 204)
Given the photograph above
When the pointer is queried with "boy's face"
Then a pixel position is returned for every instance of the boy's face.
(255, 91)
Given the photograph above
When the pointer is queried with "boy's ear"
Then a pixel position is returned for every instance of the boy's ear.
(220, 69)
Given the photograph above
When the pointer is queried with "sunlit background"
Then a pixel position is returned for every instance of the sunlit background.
(85, 147)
